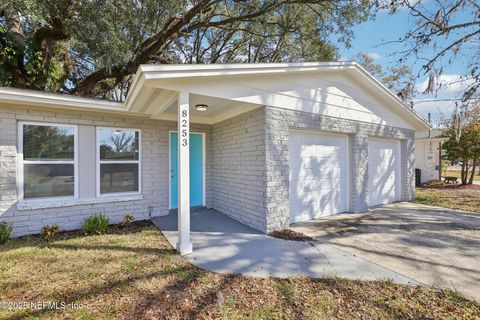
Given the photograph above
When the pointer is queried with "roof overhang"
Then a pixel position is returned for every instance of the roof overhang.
(150, 76)
(146, 90)
(54, 100)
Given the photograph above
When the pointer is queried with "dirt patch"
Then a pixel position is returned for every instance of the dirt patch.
(288, 234)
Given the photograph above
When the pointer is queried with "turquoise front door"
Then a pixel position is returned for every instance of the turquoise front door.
(196, 169)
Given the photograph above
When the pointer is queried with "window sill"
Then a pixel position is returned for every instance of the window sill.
(39, 204)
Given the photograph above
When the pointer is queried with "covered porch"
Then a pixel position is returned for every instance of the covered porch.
(174, 98)
(195, 169)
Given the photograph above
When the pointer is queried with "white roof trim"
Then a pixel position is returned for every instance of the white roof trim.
(177, 70)
(44, 99)
(153, 72)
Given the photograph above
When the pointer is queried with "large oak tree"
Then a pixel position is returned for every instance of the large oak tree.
(93, 47)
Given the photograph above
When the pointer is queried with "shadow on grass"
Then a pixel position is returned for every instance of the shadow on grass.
(158, 251)
(184, 299)
(77, 295)
(37, 241)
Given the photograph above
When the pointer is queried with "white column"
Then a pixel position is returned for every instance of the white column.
(184, 245)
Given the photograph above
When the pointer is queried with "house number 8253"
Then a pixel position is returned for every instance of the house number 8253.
(184, 126)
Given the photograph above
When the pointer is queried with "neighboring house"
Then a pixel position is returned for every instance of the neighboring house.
(428, 154)
(269, 145)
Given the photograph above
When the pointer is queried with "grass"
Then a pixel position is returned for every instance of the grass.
(453, 196)
(133, 273)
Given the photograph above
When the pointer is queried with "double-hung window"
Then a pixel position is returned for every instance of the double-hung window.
(47, 160)
(118, 159)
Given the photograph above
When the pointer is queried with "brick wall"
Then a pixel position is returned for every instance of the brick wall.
(246, 166)
(238, 146)
(155, 170)
(278, 122)
(407, 148)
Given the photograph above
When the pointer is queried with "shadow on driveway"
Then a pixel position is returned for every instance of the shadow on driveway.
(436, 246)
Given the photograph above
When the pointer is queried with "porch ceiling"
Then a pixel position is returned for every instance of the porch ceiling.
(158, 103)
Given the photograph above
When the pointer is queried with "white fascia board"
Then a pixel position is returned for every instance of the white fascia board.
(152, 72)
(136, 88)
(34, 98)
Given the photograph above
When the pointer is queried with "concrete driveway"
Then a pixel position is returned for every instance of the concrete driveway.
(436, 246)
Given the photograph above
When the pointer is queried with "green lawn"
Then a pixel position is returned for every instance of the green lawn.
(453, 196)
(135, 274)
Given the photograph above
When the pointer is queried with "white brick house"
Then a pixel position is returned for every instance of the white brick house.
(267, 144)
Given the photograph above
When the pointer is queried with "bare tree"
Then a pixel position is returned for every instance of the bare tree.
(452, 29)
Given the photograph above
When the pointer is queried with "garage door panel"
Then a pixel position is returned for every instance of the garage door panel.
(383, 171)
(304, 188)
(311, 174)
(318, 175)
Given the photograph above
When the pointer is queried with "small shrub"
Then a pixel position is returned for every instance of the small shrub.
(95, 225)
(127, 221)
(5, 231)
(48, 232)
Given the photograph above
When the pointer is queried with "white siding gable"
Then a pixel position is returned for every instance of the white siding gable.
(333, 94)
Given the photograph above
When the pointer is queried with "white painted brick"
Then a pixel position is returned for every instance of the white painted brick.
(246, 166)
(155, 174)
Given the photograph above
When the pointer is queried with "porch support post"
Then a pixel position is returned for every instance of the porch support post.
(184, 245)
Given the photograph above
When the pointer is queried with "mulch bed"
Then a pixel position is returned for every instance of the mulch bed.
(288, 234)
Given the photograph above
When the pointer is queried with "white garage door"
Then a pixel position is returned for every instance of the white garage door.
(383, 171)
(318, 175)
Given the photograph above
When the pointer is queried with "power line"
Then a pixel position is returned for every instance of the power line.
(440, 100)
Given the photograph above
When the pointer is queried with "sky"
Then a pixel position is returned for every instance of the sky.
(369, 37)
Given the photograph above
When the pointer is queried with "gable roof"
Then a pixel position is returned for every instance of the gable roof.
(222, 72)
(148, 75)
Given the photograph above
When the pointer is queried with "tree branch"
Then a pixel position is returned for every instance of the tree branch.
(158, 42)
(89, 86)
(56, 32)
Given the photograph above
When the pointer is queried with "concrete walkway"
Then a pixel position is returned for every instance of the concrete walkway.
(436, 246)
(223, 245)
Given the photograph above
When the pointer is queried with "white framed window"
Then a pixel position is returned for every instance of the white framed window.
(118, 161)
(47, 161)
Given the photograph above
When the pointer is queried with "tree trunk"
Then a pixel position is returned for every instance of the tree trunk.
(14, 26)
(472, 175)
(464, 172)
